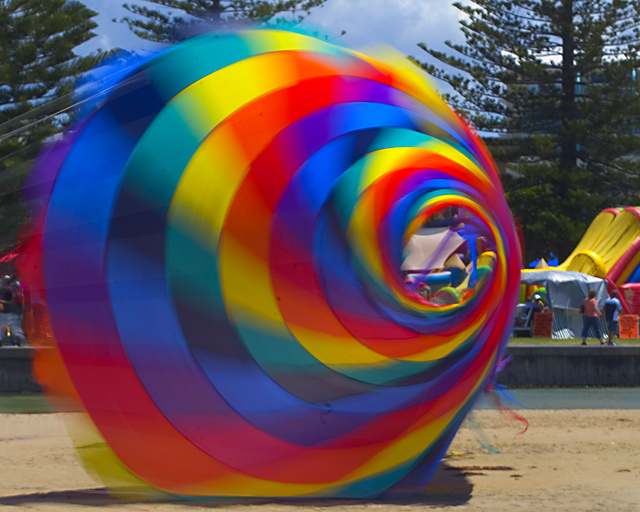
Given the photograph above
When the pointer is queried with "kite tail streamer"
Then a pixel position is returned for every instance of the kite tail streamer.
(498, 391)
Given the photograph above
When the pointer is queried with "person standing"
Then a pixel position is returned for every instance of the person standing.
(6, 295)
(612, 307)
(542, 308)
(425, 292)
(590, 315)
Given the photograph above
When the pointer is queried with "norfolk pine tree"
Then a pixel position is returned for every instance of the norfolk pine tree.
(38, 68)
(552, 87)
(167, 27)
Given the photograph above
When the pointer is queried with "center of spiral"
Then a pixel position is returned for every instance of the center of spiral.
(449, 255)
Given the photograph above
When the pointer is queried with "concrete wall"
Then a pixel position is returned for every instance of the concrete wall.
(571, 365)
(15, 370)
(532, 366)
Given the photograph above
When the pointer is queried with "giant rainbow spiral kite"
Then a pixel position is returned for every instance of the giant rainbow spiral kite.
(219, 259)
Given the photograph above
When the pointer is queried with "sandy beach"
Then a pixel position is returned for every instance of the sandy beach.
(578, 460)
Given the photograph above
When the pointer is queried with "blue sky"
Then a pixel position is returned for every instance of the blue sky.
(400, 23)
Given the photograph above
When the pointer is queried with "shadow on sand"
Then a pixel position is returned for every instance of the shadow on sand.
(448, 487)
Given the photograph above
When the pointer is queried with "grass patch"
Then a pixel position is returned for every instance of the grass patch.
(574, 341)
(27, 403)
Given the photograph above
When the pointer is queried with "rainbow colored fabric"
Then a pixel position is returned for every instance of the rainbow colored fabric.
(219, 258)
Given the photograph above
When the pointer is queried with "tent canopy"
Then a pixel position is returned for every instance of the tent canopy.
(566, 289)
(430, 248)
(565, 292)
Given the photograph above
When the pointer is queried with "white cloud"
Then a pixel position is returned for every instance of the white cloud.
(401, 23)
(113, 34)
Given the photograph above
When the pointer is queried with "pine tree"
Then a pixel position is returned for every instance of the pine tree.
(38, 68)
(552, 86)
(162, 25)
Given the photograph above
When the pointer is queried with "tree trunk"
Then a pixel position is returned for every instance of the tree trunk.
(568, 146)
(215, 13)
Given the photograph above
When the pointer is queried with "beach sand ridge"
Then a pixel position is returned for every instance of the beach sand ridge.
(568, 460)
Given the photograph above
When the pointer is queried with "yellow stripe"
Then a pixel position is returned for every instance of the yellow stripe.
(334, 351)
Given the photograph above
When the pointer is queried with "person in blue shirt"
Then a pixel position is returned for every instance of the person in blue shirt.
(612, 307)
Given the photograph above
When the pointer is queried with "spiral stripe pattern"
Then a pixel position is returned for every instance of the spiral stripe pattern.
(220, 256)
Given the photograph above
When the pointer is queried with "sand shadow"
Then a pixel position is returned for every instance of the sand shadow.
(448, 487)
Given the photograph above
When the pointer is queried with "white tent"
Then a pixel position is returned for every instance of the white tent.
(565, 292)
(430, 248)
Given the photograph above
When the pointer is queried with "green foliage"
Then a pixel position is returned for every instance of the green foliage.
(554, 82)
(37, 72)
(163, 25)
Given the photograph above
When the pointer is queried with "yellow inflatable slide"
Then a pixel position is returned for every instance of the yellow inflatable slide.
(610, 247)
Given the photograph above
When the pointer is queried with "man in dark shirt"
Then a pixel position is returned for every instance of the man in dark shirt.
(6, 295)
